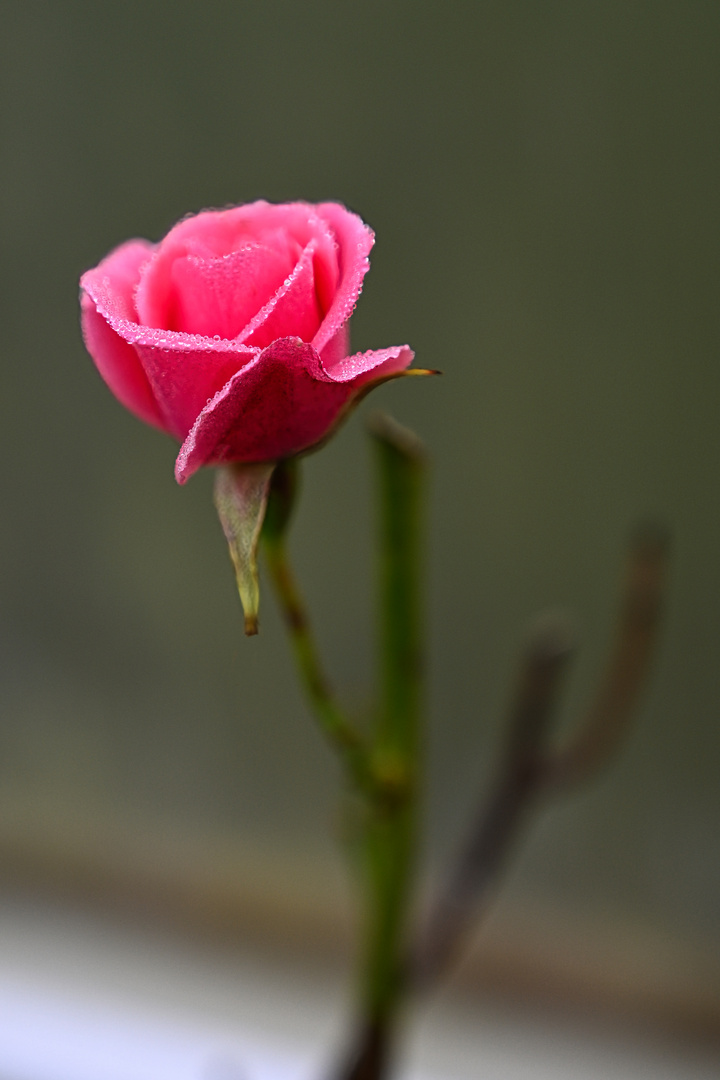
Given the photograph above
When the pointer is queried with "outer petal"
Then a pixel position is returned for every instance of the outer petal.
(170, 375)
(110, 287)
(281, 404)
(186, 374)
(354, 239)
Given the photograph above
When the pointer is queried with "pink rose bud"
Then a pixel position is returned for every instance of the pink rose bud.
(231, 334)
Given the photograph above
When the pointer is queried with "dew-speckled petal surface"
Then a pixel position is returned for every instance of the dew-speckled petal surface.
(280, 404)
(355, 240)
(108, 291)
(294, 309)
(185, 376)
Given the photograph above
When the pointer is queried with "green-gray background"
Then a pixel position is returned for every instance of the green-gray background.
(542, 179)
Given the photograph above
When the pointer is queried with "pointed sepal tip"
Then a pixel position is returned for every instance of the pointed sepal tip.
(241, 494)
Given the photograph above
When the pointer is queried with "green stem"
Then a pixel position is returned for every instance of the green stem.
(333, 723)
(391, 824)
(386, 774)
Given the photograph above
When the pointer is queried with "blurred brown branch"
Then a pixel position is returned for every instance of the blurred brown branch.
(530, 768)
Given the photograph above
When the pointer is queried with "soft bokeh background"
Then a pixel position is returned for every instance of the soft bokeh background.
(542, 179)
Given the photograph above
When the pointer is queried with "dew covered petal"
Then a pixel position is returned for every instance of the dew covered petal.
(280, 404)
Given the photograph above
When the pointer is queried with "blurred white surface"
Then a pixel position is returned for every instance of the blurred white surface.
(82, 1000)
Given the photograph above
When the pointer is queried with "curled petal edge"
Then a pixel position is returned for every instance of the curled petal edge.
(348, 384)
(361, 394)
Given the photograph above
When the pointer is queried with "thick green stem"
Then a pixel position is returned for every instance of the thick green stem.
(386, 771)
(391, 822)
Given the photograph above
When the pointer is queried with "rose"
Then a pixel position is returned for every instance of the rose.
(232, 333)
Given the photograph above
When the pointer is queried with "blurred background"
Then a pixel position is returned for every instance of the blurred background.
(542, 180)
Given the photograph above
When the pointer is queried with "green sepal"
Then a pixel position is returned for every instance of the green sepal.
(241, 495)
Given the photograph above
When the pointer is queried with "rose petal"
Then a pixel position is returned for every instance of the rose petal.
(208, 236)
(184, 378)
(280, 404)
(221, 295)
(292, 310)
(354, 239)
(109, 288)
(366, 366)
(336, 348)
(172, 375)
(284, 230)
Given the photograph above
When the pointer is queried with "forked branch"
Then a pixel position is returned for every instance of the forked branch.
(530, 767)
